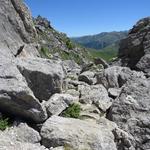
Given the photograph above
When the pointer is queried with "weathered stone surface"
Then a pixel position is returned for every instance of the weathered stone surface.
(58, 148)
(114, 92)
(116, 77)
(98, 61)
(71, 67)
(76, 83)
(135, 49)
(87, 77)
(92, 67)
(78, 134)
(16, 97)
(73, 92)
(42, 23)
(72, 84)
(131, 112)
(123, 140)
(5, 144)
(95, 94)
(43, 76)
(22, 133)
(89, 112)
(16, 28)
(59, 102)
(20, 137)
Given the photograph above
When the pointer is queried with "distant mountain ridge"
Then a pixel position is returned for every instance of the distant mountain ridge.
(101, 40)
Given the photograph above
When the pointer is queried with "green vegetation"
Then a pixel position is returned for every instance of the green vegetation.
(45, 52)
(104, 45)
(107, 53)
(73, 111)
(53, 42)
(71, 56)
(4, 123)
(69, 44)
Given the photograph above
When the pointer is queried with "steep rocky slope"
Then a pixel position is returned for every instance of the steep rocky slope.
(135, 49)
(17, 29)
(108, 109)
(57, 45)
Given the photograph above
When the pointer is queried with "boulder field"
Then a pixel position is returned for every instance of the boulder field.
(109, 103)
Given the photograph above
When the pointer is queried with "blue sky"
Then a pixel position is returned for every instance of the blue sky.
(85, 17)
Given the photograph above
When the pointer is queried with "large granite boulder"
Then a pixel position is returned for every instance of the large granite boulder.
(21, 137)
(44, 77)
(135, 49)
(131, 112)
(95, 94)
(22, 133)
(116, 76)
(59, 102)
(76, 134)
(16, 97)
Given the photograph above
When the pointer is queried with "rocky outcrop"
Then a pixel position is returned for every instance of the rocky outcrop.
(131, 112)
(57, 45)
(81, 134)
(95, 94)
(16, 28)
(15, 95)
(25, 80)
(135, 49)
(42, 23)
(116, 77)
(44, 77)
(34, 89)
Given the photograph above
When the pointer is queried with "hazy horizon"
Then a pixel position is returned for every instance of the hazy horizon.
(89, 17)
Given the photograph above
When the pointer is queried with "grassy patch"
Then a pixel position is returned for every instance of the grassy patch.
(4, 123)
(45, 52)
(71, 56)
(69, 44)
(72, 111)
(108, 53)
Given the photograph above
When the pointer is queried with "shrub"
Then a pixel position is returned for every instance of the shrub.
(4, 123)
(45, 52)
(73, 111)
(69, 44)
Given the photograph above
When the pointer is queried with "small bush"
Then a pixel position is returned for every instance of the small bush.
(45, 52)
(69, 44)
(4, 123)
(73, 111)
